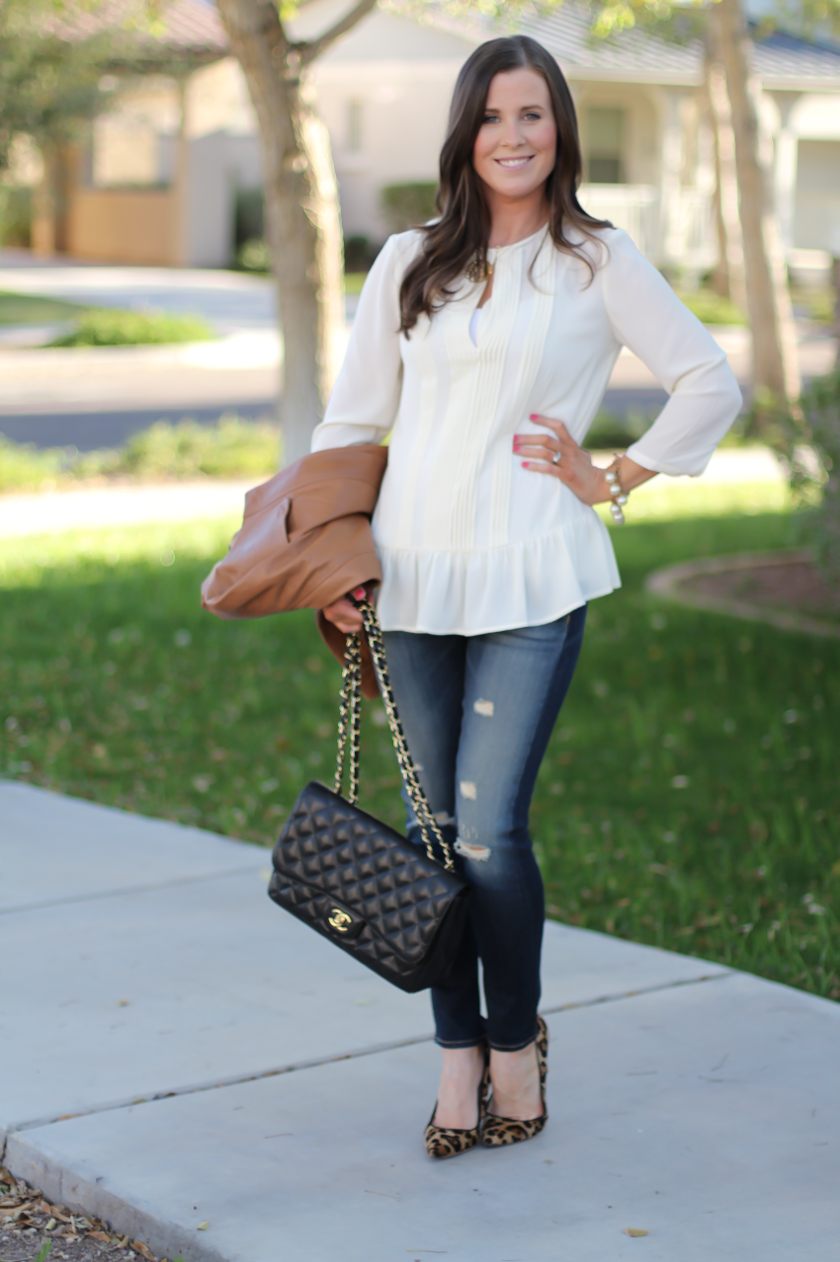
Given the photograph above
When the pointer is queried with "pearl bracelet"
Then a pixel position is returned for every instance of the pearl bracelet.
(619, 498)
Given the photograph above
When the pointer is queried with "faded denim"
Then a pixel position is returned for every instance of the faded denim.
(478, 712)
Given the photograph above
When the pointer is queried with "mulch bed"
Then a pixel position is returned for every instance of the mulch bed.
(790, 585)
(33, 1230)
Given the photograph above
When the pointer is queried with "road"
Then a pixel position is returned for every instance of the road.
(91, 399)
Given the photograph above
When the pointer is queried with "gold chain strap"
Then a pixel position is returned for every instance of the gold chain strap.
(349, 717)
(350, 720)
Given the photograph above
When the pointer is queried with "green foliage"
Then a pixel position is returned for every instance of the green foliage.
(48, 84)
(821, 408)
(30, 309)
(815, 302)
(609, 431)
(254, 256)
(806, 438)
(44, 1250)
(358, 254)
(407, 205)
(353, 282)
(16, 217)
(100, 327)
(116, 687)
(711, 308)
(229, 449)
(232, 448)
(248, 216)
(23, 467)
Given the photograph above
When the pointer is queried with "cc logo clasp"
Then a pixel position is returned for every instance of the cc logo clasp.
(340, 920)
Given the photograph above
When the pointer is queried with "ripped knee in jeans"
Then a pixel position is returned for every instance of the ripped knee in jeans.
(471, 850)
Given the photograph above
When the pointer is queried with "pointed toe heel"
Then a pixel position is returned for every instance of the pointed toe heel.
(447, 1141)
(499, 1132)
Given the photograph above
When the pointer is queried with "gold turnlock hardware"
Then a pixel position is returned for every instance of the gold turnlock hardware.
(340, 920)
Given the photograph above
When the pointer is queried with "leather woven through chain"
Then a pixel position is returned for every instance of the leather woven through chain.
(349, 721)
(360, 883)
(355, 880)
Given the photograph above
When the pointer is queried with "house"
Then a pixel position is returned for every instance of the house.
(384, 92)
(137, 190)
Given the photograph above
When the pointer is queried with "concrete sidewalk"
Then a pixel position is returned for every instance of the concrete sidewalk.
(185, 1060)
(110, 506)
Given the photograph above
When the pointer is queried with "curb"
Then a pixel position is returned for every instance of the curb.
(668, 584)
(86, 1193)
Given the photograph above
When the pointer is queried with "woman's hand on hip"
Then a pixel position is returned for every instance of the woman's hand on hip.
(557, 454)
(344, 614)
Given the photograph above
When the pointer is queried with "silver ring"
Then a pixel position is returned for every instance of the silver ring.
(555, 459)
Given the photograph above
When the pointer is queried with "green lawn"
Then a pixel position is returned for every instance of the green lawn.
(99, 326)
(353, 282)
(690, 795)
(29, 309)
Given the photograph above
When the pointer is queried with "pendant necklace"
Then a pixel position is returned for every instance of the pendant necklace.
(479, 270)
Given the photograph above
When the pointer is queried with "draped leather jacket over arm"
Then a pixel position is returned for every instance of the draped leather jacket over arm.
(305, 541)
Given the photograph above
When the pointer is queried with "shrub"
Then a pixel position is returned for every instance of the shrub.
(134, 328)
(358, 254)
(407, 205)
(23, 466)
(16, 217)
(608, 431)
(820, 406)
(229, 449)
(254, 256)
(248, 216)
(711, 308)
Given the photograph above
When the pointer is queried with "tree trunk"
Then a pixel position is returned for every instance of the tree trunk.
(728, 276)
(302, 213)
(775, 367)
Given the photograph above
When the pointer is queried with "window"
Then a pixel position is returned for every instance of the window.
(354, 127)
(605, 142)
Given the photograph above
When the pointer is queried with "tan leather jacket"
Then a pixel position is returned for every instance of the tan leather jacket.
(305, 541)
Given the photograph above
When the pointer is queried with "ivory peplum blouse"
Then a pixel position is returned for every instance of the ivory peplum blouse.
(469, 541)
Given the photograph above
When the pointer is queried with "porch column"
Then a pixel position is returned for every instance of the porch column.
(179, 252)
(669, 184)
(784, 169)
(44, 210)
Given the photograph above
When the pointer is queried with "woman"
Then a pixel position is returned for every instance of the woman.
(484, 342)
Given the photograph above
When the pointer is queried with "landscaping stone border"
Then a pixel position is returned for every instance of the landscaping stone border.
(669, 583)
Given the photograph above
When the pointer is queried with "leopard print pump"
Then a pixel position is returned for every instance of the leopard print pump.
(500, 1131)
(442, 1141)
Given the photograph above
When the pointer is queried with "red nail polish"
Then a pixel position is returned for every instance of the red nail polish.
(360, 593)
(532, 417)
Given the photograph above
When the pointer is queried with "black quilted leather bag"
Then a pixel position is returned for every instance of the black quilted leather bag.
(355, 880)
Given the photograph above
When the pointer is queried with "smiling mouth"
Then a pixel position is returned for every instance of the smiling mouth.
(513, 164)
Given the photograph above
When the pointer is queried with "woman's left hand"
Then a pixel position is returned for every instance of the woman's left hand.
(573, 467)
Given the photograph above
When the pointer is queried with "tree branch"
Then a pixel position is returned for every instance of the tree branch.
(314, 48)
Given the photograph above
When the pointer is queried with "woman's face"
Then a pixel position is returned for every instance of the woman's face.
(516, 147)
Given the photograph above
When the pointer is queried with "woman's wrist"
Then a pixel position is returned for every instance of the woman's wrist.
(630, 475)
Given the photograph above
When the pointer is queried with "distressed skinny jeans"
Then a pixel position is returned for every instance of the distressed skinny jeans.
(478, 712)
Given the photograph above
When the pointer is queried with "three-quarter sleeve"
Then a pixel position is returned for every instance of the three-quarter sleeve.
(366, 394)
(648, 318)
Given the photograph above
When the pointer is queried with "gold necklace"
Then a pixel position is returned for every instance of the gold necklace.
(479, 270)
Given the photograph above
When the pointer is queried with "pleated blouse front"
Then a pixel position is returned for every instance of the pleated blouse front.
(469, 541)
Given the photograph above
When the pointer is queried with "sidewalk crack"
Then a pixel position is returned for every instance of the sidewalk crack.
(238, 1079)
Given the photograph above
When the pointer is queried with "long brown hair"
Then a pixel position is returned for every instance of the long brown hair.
(461, 233)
